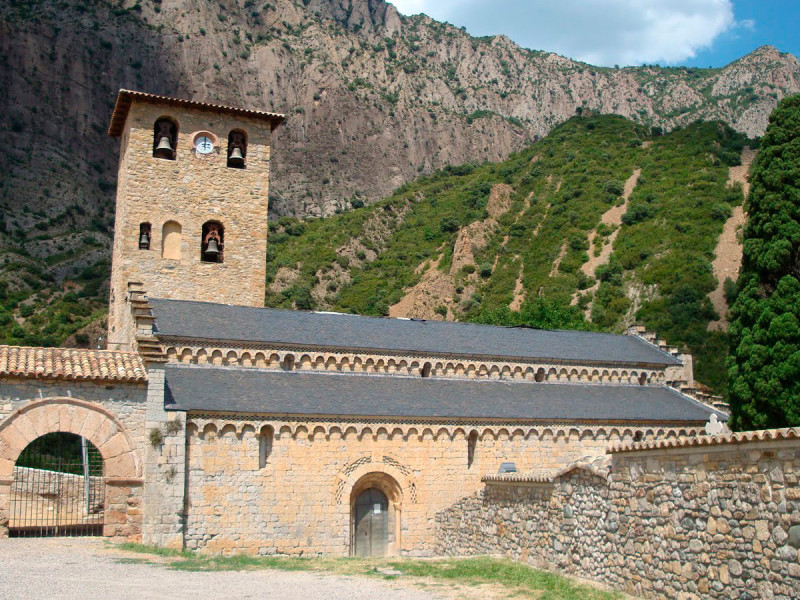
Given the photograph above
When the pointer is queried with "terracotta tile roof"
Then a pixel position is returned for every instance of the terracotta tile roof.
(764, 435)
(126, 97)
(71, 363)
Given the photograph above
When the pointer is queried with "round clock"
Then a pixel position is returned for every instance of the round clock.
(204, 145)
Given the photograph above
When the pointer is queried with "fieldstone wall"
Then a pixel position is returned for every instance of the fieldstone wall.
(718, 521)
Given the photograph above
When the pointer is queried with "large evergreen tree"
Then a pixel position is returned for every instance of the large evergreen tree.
(764, 366)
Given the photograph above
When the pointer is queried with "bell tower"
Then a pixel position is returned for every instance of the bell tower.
(192, 199)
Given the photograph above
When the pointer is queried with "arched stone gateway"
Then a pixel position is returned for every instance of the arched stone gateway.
(122, 465)
(376, 506)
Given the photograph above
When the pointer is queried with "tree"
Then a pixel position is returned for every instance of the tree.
(538, 313)
(764, 365)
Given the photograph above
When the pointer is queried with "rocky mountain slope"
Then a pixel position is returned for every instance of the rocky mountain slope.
(361, 85)
(601, 222)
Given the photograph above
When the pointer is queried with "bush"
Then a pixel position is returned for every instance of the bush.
(636, 214)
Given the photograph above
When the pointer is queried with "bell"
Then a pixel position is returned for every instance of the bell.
(164, 148)
(144, 241)
(236, 159)
(212, 248)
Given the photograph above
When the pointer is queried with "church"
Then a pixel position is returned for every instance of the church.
(226, 427)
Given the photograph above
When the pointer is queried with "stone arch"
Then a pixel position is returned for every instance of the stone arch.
(216, 357)
(122, 465)
(389, 479)
(171, 240)
(69, 415)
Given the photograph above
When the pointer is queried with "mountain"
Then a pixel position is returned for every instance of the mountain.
(601, 215)
(361, 85)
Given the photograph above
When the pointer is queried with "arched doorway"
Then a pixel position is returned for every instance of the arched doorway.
(371, 523)
(376, 501)
(58, 488)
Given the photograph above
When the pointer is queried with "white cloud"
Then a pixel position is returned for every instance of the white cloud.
(601, 32)
(746, 24)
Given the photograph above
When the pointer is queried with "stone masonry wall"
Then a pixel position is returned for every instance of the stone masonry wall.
(189, 190)
(299, 500)
(111, 416)
(126, 401)
(704, 522)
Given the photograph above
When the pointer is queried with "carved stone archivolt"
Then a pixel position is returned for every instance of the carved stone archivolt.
(408, 365)
(208, 427)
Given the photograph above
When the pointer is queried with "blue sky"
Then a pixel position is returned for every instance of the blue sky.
(703, 33)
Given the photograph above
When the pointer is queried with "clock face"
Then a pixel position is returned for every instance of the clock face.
(204, 145)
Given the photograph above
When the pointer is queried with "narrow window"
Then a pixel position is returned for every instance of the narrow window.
(643, 379)
(288, 363)
(165, 138)
(425, 371)
(237, 149)
(264, 446)
(472, 444)
(144, 236)
(213, 242)
(171, 240)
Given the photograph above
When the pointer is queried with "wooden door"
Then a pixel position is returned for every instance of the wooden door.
(371, 517)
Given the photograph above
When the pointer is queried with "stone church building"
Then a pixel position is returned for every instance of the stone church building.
(226, 427)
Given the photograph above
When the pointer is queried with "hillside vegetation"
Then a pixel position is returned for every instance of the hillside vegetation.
(373, 100)
(534, 233)
(469, 241)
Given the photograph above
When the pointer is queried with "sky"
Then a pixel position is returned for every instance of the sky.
(699, 33)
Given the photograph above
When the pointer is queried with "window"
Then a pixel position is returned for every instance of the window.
(212, 244)
(472, 444)
(237, 149)
(171, 240)
(165, 138)
(144, 236)
(264, 446)
(425, 371)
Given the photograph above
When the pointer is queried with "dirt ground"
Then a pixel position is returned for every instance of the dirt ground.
(89, 568)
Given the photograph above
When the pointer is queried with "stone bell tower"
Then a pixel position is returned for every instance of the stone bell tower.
(192, 198)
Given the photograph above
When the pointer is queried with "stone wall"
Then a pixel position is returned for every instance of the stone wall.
(297, 498)
(667, 520)
(190, 190)
(110, 416)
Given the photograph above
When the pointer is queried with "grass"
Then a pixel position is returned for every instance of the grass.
(513, 579)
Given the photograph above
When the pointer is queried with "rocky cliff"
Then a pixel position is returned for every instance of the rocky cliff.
(361, 84)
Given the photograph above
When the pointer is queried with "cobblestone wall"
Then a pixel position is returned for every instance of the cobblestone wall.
(699, 522)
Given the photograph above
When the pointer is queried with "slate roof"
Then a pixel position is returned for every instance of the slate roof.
(209, 321)
(71, 363)
(247, 390)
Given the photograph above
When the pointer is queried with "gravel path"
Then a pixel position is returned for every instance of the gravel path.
(86, 569)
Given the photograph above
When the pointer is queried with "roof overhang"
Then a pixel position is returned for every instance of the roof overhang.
(126, 97)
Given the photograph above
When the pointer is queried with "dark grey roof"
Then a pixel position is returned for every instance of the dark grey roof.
(204, 320)
(242, 390)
